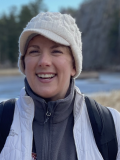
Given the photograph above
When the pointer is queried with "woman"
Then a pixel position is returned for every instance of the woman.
(50, 118)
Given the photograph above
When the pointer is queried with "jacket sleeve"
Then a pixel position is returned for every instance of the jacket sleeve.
(116, 117)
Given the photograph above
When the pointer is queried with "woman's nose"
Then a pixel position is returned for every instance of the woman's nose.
(44, 60)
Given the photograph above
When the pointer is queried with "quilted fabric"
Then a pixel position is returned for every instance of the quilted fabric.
(18, 145)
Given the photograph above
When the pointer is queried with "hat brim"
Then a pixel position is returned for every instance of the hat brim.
(48, 34)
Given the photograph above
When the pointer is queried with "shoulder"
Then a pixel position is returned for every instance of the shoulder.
(7, 106)
(116, 117)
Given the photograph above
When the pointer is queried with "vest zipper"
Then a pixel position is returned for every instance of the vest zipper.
(46, 135)
(48, 114)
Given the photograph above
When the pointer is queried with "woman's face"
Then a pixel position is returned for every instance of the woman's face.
(48, 68)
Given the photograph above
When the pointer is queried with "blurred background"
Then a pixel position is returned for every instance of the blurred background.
(99, 22)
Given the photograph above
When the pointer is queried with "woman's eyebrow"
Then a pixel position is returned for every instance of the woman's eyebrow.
(55, 46)
(35, 46)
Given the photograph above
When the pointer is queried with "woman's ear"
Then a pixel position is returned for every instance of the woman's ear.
(74, 68)
(23, 61)
(73, 72)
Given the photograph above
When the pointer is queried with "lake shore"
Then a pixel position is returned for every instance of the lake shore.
(111, 99)
(10, 72)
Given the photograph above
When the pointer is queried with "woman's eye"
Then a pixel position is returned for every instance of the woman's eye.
(34, 53)
(56, 51)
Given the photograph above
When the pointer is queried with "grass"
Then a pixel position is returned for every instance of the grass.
(111, 99)
(9, 72)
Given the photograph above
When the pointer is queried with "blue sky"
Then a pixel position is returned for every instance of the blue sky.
(53, 5)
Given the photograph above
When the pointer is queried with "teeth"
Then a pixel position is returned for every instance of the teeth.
(46, 75)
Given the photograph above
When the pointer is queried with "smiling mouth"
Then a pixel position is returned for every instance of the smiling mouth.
(46, 76)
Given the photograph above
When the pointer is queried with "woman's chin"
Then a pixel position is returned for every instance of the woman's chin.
(50, 96)
(46, 95)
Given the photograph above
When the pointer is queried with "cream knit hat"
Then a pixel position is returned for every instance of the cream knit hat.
(60, 28)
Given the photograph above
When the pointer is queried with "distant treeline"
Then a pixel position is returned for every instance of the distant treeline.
(98, 20)
(11, 25)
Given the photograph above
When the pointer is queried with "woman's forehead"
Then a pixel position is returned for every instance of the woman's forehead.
(39, 39)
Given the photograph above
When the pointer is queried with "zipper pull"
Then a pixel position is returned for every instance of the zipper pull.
(48, 114)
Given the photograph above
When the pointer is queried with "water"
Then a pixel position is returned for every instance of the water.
(106, 83)
(10, 86)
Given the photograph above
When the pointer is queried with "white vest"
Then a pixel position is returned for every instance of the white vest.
(18, 145)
